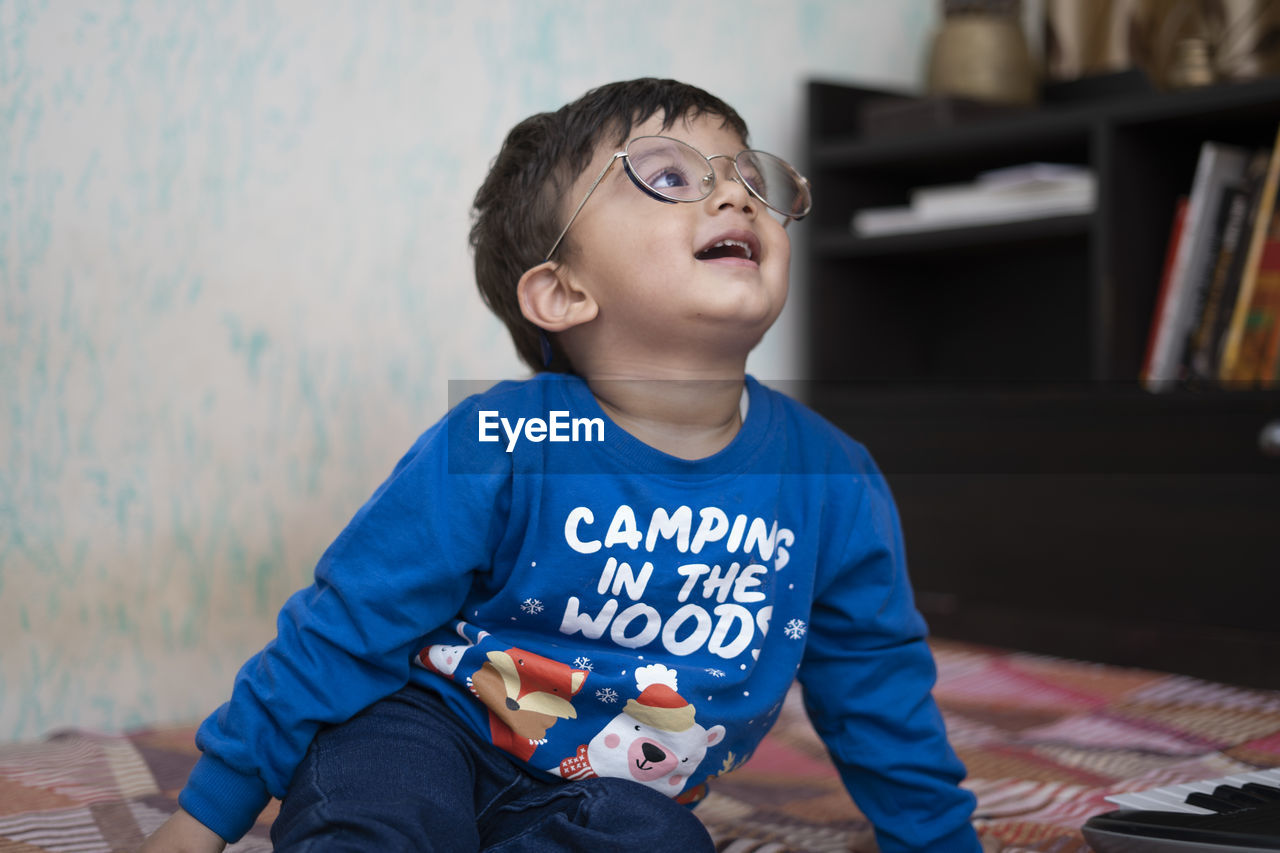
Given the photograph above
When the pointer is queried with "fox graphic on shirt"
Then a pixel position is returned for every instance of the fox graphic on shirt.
(526, 694)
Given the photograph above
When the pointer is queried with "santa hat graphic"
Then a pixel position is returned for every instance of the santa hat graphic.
(659, 706)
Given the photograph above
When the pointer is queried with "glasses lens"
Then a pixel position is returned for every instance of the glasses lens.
(670, 168)
(776, 181)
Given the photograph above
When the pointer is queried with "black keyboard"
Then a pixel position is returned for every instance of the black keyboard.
(1234, 813)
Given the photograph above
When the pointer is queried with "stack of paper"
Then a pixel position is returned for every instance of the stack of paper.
(1031, 191)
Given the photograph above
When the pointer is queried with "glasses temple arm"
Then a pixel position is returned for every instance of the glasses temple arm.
(581, 204)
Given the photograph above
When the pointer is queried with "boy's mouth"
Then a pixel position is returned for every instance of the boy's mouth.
(738, 246)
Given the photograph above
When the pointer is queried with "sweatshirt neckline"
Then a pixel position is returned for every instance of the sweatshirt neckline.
(642, 458)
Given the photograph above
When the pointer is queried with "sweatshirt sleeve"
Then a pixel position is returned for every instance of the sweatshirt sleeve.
(868, 677)
(401, 568)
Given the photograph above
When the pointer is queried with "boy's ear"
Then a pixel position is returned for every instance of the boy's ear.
(551, 300)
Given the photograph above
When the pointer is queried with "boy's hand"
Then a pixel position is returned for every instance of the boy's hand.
(183, 834)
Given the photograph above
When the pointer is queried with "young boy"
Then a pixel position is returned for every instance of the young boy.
(580, 597)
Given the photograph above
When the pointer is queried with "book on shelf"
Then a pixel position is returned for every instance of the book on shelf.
(1017, 193)
(1260, 343)
(1176, 230)
(1223, 237)
(1252, 344)
(1204, 347)
(1218, 167)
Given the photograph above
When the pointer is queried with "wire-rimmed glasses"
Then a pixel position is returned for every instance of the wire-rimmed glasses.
(671, 171)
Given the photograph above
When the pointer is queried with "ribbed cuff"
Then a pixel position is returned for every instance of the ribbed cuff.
(223, 799)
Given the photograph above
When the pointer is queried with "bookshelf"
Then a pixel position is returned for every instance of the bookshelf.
(1050, 503)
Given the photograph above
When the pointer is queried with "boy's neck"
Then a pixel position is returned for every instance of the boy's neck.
(689, 414)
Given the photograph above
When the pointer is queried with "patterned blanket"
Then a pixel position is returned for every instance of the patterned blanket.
(1044, 739)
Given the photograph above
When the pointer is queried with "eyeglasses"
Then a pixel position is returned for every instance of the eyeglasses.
(670, 171)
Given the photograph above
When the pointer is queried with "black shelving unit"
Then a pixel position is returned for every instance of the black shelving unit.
(1049, 502)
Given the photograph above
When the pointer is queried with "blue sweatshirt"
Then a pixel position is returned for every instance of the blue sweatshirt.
(598, 608)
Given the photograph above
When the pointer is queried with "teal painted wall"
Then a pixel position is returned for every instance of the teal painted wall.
(234, 285)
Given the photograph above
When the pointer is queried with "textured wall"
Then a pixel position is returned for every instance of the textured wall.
(234, 284)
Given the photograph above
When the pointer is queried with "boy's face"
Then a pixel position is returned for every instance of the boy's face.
(644, 261)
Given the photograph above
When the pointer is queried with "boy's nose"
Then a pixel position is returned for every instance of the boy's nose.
(729, 188)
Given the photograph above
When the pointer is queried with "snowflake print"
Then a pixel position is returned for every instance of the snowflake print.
(532, 606)
(582, 663)
(715, 673)
(607, 695)
(795, 629)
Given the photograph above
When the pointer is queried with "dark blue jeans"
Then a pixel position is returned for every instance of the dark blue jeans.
(405, 774)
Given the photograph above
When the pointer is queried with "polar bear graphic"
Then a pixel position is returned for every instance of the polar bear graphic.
(654, 741)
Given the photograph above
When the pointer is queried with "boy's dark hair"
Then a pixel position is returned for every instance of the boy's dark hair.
(517, 212)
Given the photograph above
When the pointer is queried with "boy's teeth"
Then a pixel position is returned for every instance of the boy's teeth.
(724, 244)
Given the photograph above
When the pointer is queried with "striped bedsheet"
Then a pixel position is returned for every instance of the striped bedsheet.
(1045, 740)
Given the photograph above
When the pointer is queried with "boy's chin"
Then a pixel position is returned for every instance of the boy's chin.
(740, 319)
(749, 317)
(724, 288)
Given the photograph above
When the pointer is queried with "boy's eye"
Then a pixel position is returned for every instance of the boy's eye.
(668, 179)
(670, 169)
